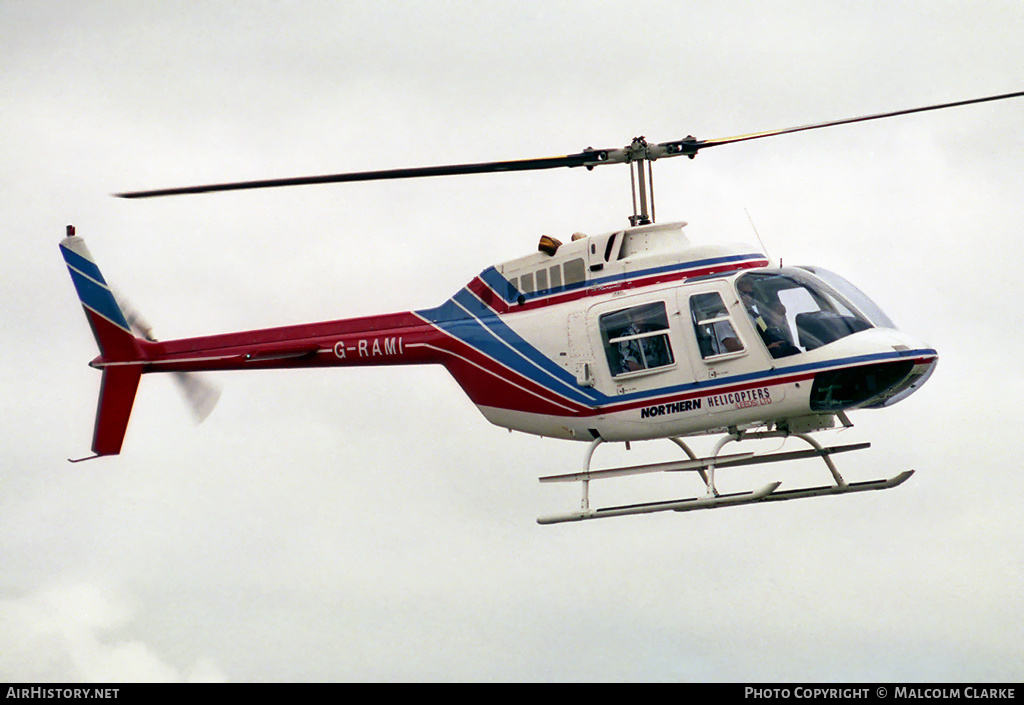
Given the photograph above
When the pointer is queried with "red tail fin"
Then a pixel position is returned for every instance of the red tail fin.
(121, 353)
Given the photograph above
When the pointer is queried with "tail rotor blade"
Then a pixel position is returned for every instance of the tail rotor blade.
(136, 322)
(201, 395)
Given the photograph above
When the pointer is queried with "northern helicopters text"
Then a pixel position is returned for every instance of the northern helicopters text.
(739, 400)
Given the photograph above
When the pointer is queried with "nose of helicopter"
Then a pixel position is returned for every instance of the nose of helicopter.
(897, 366)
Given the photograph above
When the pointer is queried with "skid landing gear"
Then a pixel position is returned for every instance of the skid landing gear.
(705, 468)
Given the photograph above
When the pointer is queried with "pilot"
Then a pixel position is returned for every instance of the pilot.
(769, 318)
(775, 331)
(750, 298)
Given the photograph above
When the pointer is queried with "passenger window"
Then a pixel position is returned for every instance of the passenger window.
(513, 291)
(526, 283)
(711, 323)
(556, 276)
(636, 339)
(542, 279)
(575, 271)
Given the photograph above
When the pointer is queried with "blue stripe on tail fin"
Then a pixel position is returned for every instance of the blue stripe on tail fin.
(109, 324)
(92, 288)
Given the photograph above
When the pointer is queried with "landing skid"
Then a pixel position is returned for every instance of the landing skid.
(706, 467)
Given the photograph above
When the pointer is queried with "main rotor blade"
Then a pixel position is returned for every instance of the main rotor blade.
(690, 146)
(640, 149)
(588, 157)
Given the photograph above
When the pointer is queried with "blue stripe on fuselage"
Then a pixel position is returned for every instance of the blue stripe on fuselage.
(467, 319)
(517, 346)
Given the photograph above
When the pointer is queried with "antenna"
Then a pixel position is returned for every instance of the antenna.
(763, 248)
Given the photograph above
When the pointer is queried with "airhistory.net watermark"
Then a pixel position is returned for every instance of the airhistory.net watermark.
(34, 692)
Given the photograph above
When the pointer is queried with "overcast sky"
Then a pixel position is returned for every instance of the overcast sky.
(332, 525)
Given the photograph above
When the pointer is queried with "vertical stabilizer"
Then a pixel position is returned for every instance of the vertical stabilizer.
(121, 353)
(108, 322)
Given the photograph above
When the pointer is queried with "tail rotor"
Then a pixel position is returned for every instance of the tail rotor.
(199, 393)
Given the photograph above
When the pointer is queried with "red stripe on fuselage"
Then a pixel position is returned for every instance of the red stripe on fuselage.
(489, 383)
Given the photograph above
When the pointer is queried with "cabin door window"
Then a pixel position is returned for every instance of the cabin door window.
(716, 336)
(636, 339)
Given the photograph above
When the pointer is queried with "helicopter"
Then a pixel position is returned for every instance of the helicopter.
(633, 335)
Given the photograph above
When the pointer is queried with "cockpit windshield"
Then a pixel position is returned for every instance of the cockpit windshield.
(796, 310)
(855, 296)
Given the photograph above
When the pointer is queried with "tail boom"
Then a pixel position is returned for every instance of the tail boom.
(391, 339)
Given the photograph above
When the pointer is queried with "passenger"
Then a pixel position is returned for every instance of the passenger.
(641, 353)
(630, 357)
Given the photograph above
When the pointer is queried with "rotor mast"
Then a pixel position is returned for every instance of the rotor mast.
(641, 181)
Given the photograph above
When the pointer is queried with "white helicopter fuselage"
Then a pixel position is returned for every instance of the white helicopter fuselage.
(555, 328)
